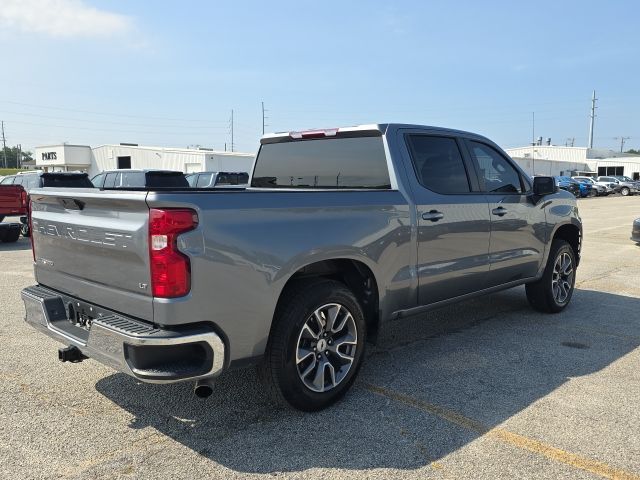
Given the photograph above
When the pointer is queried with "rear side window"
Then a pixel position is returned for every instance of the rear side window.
(496, 174)
(204, 180)
(7, 181)
(98, 180)
(133, 179)
(110, 180)
(438, 164)
(354, 163)
(31, 181)
(192, 178)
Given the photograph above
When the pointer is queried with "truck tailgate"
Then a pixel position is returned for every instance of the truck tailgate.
(93, 245)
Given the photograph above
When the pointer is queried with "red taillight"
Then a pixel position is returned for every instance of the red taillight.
(170, 269)
(24, 201)
(327, 132)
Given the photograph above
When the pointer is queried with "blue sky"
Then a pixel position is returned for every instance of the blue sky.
(169, 73)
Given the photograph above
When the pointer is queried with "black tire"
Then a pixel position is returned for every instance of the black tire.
(24, 229)
(541, 294)
(12, 236)
(279, 371)
(624, 191)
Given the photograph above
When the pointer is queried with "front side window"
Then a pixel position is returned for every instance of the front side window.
(438, 164)
(331, 163)
(496, 174)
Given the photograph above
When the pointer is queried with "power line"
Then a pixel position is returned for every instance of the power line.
(85, 120)
(108, 114)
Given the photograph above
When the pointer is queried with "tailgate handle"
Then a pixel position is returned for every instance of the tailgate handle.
(72, 204)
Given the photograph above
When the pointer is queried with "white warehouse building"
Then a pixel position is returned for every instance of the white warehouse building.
(561, 160)
(93, 160)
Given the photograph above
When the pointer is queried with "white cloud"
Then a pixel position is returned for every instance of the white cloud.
(62, 18)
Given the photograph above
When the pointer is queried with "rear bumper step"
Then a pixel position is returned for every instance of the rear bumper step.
(144, 351)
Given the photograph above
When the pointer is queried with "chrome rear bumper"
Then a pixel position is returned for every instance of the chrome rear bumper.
(139, 349)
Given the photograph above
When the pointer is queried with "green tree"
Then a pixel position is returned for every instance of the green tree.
(11, 154)
(633, 152)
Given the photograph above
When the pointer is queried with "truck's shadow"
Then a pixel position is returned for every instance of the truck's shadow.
(21, 244)
(487, 359)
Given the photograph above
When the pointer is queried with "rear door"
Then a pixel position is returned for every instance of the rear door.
(517, 222)
(93, 244)
(453, 217)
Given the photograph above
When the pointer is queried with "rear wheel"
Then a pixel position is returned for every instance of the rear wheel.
(316, 345)
(553, 292)
(24, 229)
(624, 191)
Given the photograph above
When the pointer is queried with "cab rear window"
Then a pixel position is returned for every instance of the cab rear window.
(336, 163)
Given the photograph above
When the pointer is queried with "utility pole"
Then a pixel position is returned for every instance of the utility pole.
(232, 130)
(264, 118)
(592, 118)
(533, 143)
(19, 156)
(622, 141)
(4, 146)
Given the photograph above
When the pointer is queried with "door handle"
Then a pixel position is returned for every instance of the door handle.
(500, 211)
(433, 215)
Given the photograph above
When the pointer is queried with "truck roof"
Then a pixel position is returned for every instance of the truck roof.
(370, 128)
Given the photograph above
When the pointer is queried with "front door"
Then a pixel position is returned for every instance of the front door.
(453, 219)
(517, 222)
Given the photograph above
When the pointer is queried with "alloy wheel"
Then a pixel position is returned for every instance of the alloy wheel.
(326, 347)
(562, 278)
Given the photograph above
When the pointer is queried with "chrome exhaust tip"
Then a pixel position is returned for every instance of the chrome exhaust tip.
(203, 388)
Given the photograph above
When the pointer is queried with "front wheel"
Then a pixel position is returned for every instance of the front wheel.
(624, 191)
(553, 292)
(316, 345)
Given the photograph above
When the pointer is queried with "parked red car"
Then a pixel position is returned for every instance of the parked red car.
(13, 202)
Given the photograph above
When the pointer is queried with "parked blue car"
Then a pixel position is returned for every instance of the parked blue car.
(585, 188)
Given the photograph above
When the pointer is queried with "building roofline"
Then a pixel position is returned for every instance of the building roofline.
(61, 145)
(176, 149)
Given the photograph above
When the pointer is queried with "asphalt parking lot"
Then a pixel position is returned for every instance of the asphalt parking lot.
(484, 389)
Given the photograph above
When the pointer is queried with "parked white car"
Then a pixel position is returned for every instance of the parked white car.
(601, 188)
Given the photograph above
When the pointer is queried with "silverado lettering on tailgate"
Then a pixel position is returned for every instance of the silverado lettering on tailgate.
(107, 238)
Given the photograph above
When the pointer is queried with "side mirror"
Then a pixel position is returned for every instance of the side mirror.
(544, 186)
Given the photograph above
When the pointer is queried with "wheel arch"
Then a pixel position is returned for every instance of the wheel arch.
(355, 274)
(572, 234)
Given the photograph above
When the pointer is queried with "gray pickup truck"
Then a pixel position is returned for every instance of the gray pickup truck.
(340, 231)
